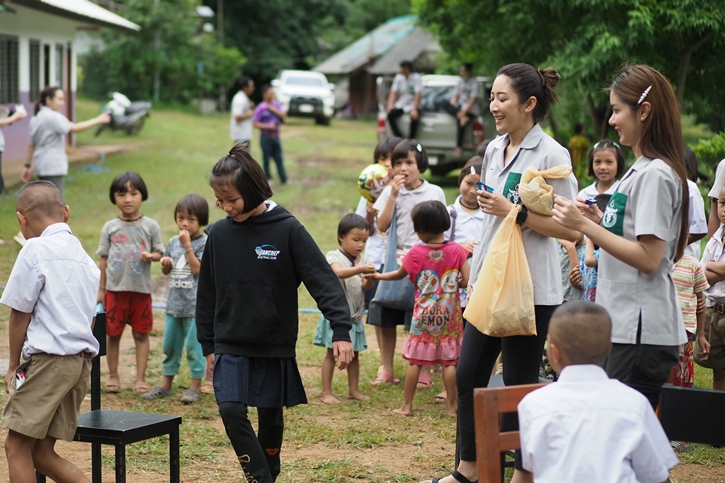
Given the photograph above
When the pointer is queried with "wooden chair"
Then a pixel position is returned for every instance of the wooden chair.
(693, 415)
(491, 442)
(120, 428)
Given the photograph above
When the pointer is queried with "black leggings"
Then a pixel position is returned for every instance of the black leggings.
(521, 361)
(258, 453)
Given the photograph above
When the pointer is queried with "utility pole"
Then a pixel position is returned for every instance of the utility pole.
(220, 20)
(157, 46)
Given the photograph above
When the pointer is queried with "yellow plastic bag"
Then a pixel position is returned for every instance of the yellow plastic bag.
(535, 194)
(502, 303)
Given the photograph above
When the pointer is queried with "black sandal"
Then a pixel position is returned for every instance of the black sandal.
(455, 474)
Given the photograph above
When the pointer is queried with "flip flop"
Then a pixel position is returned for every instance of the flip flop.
(455, 474)
(384, 378)
(113, 386)
(442, 397)
(424, 382)
(141, 388)
(681, 447)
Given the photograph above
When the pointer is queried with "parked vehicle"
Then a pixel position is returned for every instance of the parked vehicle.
(437, 128)
(126, 116)
(306, 94)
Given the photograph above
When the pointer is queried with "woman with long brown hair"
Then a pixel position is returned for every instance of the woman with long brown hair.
(642, 232)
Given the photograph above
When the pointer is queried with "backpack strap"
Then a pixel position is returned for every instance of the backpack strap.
(454, 215)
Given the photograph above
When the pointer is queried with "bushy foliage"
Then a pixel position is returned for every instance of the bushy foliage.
(189, 64)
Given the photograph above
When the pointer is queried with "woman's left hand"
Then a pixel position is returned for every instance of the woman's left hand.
(567, 214)
(494, 204)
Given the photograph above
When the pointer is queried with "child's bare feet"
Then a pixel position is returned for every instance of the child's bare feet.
(404, 411)
(329, 399)
(452, 412)
(357, 395)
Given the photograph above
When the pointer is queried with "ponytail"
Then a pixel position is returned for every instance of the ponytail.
(528, 81)
(45, 94)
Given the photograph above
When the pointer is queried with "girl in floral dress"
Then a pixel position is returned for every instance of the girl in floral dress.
(437, 268)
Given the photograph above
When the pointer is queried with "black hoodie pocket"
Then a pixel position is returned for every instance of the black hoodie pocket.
(248, 315)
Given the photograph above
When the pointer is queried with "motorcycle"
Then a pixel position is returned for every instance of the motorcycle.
(126, 116)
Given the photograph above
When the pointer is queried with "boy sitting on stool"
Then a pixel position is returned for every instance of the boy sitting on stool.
(52, 293)
(588, 427)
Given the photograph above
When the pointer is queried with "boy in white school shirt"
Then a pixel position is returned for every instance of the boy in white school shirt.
(52, 293)
(587, 427)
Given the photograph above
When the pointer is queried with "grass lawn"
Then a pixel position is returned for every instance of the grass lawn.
(354, 441)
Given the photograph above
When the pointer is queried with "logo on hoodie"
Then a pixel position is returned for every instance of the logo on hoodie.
(266, 252)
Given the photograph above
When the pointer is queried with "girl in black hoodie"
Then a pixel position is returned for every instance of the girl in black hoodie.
(246, 309)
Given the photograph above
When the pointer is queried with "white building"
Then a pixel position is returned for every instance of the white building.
(37, 49)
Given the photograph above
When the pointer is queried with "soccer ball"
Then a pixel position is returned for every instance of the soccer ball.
(372, 180)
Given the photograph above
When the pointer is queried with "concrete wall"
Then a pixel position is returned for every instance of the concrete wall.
(28, 24)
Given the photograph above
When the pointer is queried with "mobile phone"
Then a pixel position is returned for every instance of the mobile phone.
(480, 186)
(591, 201)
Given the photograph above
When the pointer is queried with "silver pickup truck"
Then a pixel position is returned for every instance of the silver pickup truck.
(437, 128)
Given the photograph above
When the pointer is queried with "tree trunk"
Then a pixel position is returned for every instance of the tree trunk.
(684, 66)
(599, 116)
(554, 127)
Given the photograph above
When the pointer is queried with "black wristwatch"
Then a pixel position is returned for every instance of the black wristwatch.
(27, 165)
(521, 217)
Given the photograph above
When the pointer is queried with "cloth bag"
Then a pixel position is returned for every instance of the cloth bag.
(502, 303)
(535, 194)
(393, 294)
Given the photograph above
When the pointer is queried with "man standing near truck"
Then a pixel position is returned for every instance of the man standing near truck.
(404, 98)
(464, 104)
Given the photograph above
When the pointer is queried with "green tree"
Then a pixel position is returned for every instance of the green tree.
(163, 59)
(587, 40)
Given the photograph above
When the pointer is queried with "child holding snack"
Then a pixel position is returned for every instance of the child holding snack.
(182, 260)
(349, 265)
(436, 268)
(129, 243)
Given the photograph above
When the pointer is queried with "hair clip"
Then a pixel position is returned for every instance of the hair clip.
(644, 94)
(419, 148)
(603, 144)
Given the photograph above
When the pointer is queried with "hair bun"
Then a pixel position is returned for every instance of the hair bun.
(550, 77)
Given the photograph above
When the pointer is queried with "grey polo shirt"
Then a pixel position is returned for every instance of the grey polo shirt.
(540, 151)
(48, 129)
(648, 201)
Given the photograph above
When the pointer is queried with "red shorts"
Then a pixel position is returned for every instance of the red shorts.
(128, 308)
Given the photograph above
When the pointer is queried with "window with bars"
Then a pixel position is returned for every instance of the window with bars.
(9, 70)
(34, 70)
(59, 67)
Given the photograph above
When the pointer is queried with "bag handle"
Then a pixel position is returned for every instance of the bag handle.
(452, 212)
(391, 261)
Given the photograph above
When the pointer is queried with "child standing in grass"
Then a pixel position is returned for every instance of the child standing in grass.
(349, 265)
(129, 243)
(182, 260)
(436, 268)
(246, 310)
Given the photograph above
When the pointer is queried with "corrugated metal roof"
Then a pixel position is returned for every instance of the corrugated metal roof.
(82, 10)
(369, 47)
(409, 48)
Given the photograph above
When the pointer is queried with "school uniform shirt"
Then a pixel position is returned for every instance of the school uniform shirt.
(467, 88)
(240, 130)
(715, 252)
(646, 202)
(540, 151)
(406, 89)
(56, 282)
(719, 181)
(48, 129)
(587, 427)
(375, 247)
(404, 204)
(468, 227)
(698, 221)
(592, 192)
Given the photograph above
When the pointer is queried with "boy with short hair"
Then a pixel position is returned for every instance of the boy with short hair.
(52, 294)
(586, 425)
